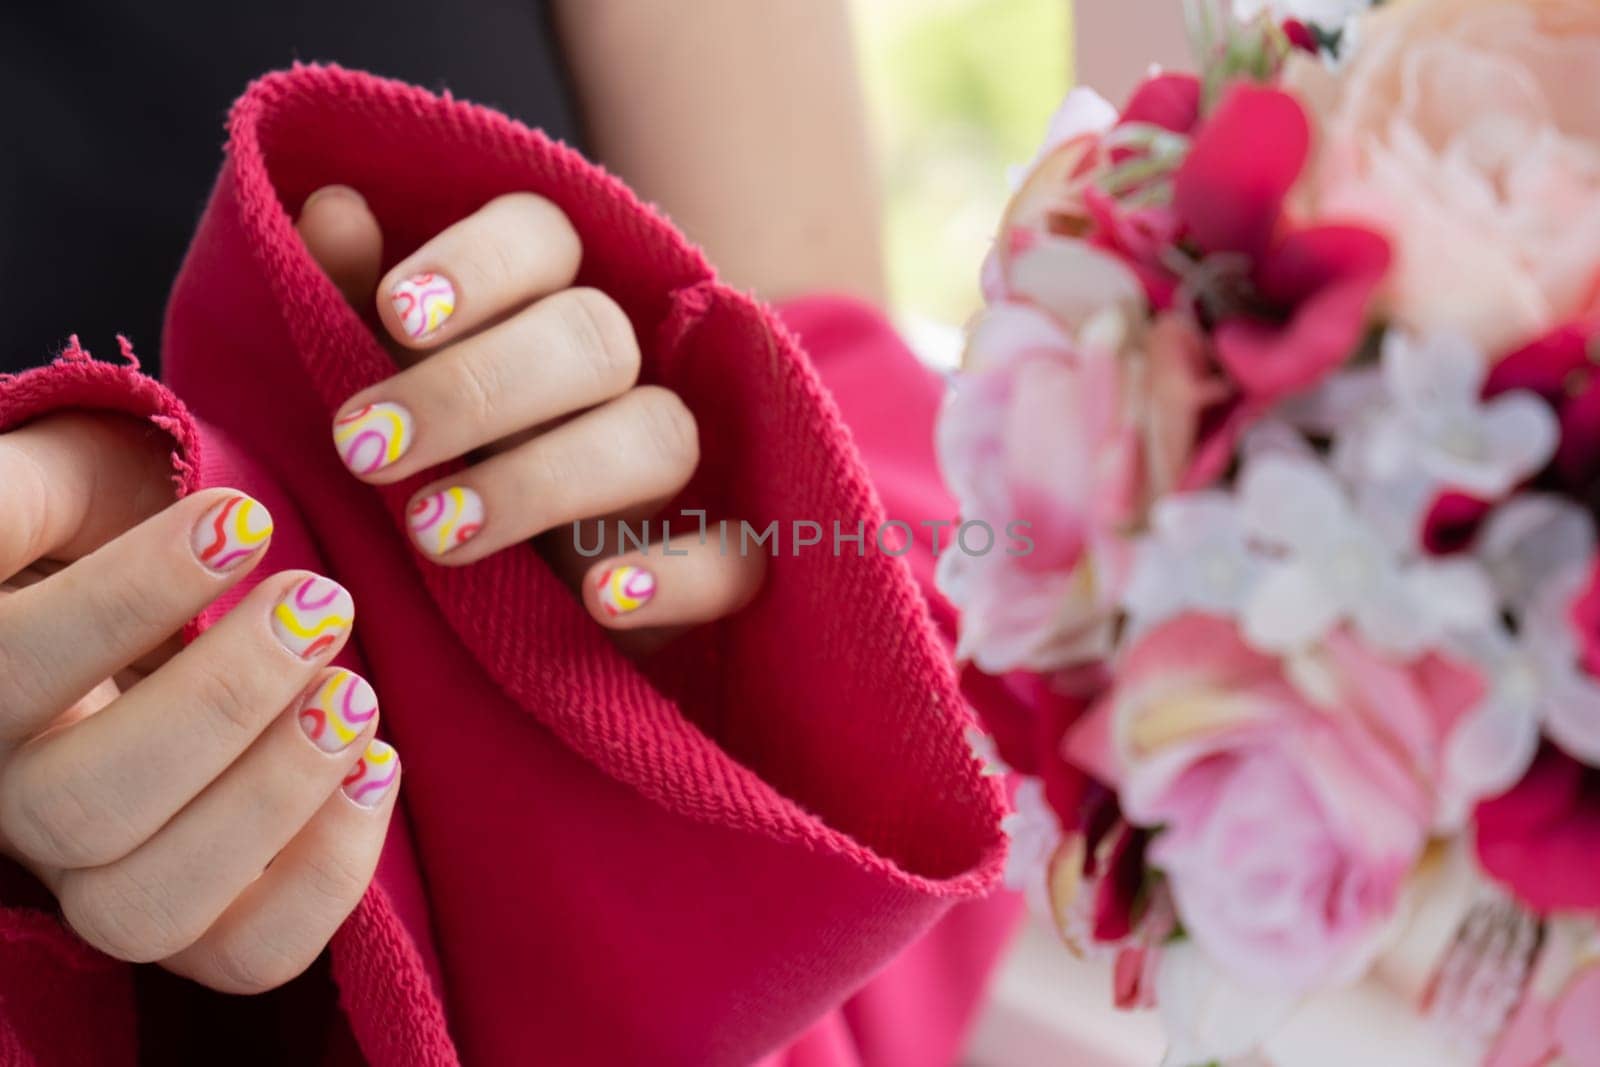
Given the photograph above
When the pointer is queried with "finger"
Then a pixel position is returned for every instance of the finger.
(282, 921)
(641, 446)
(92, 793)
(69, 483)
(161, 898)
(344, 238)
(61, 636)
(514, 249)
(566, 353)
(684, 582)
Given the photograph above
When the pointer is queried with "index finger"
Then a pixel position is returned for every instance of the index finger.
(514, 249)
(61, 636)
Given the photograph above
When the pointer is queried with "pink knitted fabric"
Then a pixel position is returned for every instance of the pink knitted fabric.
(696, 860)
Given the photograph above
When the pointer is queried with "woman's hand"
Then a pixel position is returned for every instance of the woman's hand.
(220, 807)
(535, 383)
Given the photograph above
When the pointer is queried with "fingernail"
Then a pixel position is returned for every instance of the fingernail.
(441, 521)
(423, 302)
(230, 532)
(336, 712)
(626, 588)
(313, 616)
(369, 780)
(372, 437)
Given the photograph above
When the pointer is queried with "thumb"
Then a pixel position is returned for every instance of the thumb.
(69, 483)
(342, 235)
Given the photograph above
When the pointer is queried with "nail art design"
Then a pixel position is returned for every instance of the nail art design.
(338, 710)
(372, 437)
(423, 302)
(372, 775)
(229, 533)
(313, 616)
(441, 521)
(626, 588)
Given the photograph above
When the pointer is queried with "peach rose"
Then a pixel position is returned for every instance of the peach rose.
(1289, 800)
(1469, 132)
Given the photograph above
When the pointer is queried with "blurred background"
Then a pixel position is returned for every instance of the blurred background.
(959, 91)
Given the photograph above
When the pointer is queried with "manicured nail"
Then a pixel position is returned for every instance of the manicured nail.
(313, 616)
(423, 302)
(626, 588)
(369, 780)
(230, 532)
(441, 521)
(372, 437)
(336, 712)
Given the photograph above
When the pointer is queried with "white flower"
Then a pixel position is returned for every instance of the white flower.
(1538, 550)
(1205, 1015)
(1324, 564)
(1438, 426)
(1195, 558)
(1035, 835)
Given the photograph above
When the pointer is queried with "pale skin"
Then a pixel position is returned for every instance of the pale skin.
(231, 854)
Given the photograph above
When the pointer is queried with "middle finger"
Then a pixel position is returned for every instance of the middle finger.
(566, 353)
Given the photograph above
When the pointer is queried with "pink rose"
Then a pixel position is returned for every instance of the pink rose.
(1469, 132)
(1072, 414)
(1290, 806)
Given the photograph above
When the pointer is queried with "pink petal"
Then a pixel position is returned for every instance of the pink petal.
(1171, 101)
(1230, 188)
(1576, 1021)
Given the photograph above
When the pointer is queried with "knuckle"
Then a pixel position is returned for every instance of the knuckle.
(21, 690)
(55, 818)
(251, 964)
(669, 426)
(122, 915)
(530, 214)
(601, 336)
(549, 478)
(127, 605)
(479, 387)
(334, 882)
(225, 701)
(27, 502)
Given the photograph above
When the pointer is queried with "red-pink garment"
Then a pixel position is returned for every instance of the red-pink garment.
(714, 857)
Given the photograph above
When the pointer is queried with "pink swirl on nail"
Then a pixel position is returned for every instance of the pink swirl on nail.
(372, 775)
(441, 521)
(626, 588)
(372, 437)
(231, 532)
(313, 616)
(338, 710)
(423, 302)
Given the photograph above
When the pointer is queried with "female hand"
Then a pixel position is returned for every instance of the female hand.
(535, 383)
(220, 807)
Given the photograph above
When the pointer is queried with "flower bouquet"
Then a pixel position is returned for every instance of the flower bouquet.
(1290, 371)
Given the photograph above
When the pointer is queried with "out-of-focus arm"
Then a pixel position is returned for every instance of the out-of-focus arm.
(744, 121)
(1116, 41)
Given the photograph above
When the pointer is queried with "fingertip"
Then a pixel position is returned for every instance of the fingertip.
(343, 236)
(231, 532)
(415, 305)
(615, 591)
